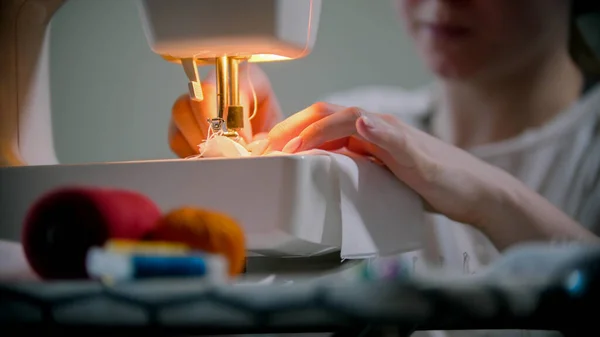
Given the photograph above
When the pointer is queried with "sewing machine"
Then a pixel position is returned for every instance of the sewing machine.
(283, 205)
(289, 206)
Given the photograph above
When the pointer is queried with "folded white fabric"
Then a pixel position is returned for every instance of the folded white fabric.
(222, 147)
(380, 215)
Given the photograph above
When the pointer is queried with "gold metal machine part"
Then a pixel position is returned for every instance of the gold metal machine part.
(229, 117)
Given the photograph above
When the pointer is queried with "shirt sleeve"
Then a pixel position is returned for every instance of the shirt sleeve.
(588, 213)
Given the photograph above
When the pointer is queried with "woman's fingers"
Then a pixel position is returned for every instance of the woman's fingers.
(330, 128)
(184, 119)
(178, 144)
(258, 147)
(392, 139)
(401, 150)
(360, 145)
(380, 133)
(291, 127)
(260, 136)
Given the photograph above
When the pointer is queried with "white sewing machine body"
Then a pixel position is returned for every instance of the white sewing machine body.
(288, 205)
(264, 30)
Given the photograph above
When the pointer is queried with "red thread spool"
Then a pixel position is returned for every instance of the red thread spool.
(63, 224)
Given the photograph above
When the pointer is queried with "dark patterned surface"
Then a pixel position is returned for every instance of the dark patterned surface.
(174, 307)
(194, 307)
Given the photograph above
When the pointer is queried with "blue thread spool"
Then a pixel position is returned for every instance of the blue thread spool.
(177, 266)
(125, 267)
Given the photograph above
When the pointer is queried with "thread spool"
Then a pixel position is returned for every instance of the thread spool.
(114, 266)
(207, 231)
(64, 224)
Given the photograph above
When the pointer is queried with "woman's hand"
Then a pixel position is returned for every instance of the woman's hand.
(447, 178)
(450, 180)
(189, 126)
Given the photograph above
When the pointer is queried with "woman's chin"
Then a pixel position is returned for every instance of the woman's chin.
(453, 69)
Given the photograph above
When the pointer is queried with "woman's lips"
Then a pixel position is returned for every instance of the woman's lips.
(446, 31)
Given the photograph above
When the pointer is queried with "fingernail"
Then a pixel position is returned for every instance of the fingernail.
(258, 147)
(293, 145)
(368, 122)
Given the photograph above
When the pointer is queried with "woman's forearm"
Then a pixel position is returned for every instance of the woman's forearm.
(517, 214)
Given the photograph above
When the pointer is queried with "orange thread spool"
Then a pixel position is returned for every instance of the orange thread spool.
(204, 230)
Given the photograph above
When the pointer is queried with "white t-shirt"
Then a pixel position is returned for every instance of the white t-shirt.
(560, 160)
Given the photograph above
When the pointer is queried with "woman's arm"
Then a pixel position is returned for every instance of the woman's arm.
(515, 213)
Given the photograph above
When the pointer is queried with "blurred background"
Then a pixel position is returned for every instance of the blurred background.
(112, 96)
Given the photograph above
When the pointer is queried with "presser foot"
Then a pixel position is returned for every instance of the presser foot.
(218, 127)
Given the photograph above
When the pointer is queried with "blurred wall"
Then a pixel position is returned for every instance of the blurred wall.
(111, 96)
